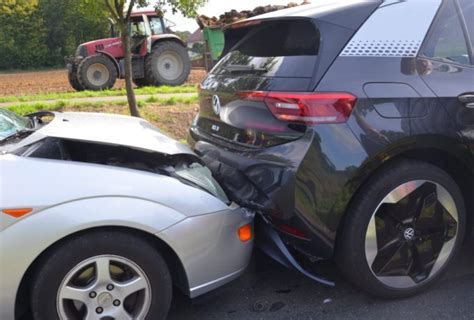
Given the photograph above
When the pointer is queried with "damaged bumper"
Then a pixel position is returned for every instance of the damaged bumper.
(264, 180)
(269, 241)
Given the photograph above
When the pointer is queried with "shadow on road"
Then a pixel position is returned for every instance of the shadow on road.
(269, 291)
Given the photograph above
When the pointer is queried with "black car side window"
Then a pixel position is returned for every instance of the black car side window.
(467, 7)
(446, 40)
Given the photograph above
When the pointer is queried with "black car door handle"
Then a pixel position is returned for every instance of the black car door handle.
(467, 99)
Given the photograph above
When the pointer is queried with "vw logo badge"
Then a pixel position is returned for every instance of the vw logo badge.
(409, 233)
(216, 105)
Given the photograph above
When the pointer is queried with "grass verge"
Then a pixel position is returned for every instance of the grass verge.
(23, 109)
(104, 93)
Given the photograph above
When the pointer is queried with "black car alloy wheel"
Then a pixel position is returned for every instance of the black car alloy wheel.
(402, 230)
(411, 234)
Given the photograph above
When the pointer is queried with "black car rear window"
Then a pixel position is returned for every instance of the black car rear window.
(283, 48)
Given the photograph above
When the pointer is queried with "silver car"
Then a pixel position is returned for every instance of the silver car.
(101, 215)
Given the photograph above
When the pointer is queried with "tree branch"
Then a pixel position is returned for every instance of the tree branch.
(112, 11)
(119, 9)
(130, 8)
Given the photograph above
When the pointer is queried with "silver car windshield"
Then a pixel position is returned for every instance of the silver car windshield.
(10, 123)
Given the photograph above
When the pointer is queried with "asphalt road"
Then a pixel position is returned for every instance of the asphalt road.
(269, 291)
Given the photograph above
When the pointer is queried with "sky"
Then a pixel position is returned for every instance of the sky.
(218, 7)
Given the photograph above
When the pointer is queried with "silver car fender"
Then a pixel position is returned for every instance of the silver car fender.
(53, 224)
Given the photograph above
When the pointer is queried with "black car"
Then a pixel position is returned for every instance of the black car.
(349, 126)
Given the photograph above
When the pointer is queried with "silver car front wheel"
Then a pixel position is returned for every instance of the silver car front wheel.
(104, 287)
(102, 274)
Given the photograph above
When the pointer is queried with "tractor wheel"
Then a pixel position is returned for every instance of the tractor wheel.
(141, 82)
(97, 72)
(73, 81)
(168, 64)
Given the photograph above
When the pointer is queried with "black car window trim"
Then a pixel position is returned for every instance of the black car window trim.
(432, 29)
(467, 35)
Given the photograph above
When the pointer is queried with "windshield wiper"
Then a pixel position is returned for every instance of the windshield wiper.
(244, 68)
(22, 133)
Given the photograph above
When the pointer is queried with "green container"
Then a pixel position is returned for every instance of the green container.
(215, 39)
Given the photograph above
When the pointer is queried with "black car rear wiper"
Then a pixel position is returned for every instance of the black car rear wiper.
(22, 133)
(244, 68)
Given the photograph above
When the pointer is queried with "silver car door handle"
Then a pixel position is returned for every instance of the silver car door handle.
(467, 99)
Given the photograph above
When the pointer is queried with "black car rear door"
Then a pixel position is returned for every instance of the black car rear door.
(446, 63)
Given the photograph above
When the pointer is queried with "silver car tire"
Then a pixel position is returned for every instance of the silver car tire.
(402, 230)
(102, 275)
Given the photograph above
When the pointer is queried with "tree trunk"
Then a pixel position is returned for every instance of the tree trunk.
(132, 101)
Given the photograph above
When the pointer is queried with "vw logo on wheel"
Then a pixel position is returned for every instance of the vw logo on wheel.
(409, 233)
(216, 105)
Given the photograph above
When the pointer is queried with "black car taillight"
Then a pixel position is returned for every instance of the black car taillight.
(292, 231)
(306, 108)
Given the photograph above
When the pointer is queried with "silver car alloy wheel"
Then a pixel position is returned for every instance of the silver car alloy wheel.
(104, 287)
(411, 234)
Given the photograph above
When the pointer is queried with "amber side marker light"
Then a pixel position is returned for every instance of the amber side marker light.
(245, 233)
(17, 213)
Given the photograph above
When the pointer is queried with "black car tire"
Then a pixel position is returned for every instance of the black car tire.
(105, 71)
(56, 264)
(351, 249)
(178, 54)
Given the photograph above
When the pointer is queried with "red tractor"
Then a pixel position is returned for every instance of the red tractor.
(159, 57)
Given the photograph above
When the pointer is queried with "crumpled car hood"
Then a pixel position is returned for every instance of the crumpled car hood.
(110, 129)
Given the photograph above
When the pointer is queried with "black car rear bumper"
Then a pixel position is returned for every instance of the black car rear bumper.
(269, 241)
(303, 185)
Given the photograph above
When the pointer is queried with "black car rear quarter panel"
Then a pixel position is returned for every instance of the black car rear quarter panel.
(396, 113)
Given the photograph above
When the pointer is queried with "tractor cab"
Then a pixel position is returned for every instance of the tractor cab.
(159, 57)
(144, 27)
